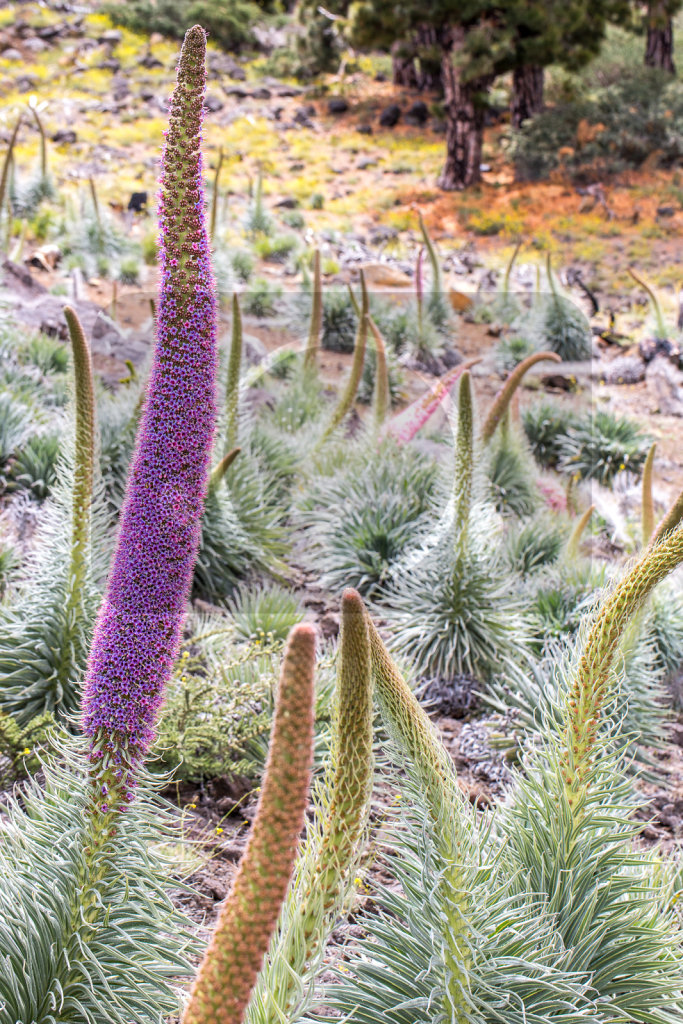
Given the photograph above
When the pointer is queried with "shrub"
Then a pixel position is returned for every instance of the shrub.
(512, 478)
(562, 327)
(14, 422)
(228, 22)
(366, 388)
(533, 545)
(129, 270)
(218, 706)
(514, 349)
(20, 746)
(456, 616)
(363, 519)
(619, 126)
(294, 219)
(275, 249)
(242, 264)
(8, 562)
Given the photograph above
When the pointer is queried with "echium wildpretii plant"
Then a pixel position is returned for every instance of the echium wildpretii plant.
(87, 930)
(138, 629)
(447, 601)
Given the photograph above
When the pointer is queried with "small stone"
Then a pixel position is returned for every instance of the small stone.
(418, 113)
(35, 45)
(364, 129)
(149, 61)
(666, 385)
(213, 103)
(64, 137)
(666, 211)
(337, 105)
(390, 116)
(12, 54)
(112, 37)
(365, 162)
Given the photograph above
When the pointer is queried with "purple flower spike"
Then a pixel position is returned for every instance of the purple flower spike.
(139, 626)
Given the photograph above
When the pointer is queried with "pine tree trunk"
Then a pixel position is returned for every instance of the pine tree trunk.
(404, 71)
(465, 109)
(659, 50)
(527, 93)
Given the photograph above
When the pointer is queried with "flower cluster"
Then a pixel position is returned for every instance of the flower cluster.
(138, 630)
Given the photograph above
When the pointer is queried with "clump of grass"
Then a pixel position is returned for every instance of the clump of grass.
(534, 544)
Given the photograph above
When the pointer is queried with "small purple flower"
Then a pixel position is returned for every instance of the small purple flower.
(139, 624)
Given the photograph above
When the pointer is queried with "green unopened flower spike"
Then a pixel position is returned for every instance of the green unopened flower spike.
(316, 326)
(248, 917)
(221, 468)
(84, 449)
(432, 254)
(347, 398)
(232, 391)
(352, 752)
(592, 681)
(464, 462)
(501, 402)
(574, 541)
(215, 195)
(382, 395)
(647, 508)
(416, 737)
(6, 164)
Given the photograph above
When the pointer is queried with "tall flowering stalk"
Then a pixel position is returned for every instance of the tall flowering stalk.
(139, 625)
